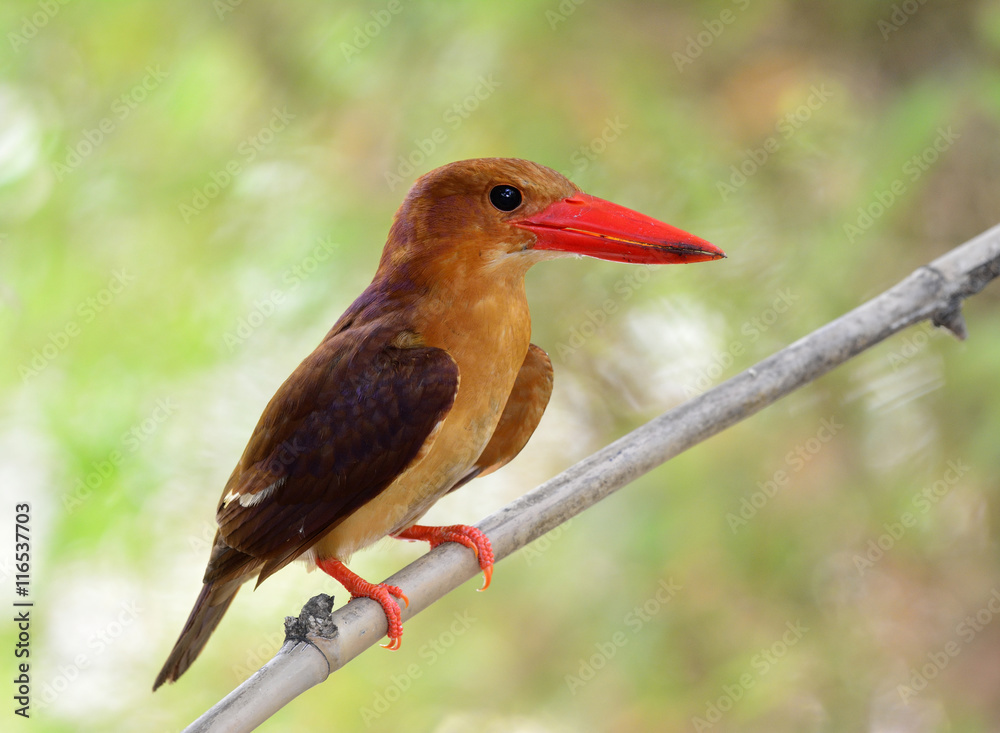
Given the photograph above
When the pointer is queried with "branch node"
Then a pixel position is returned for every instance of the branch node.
(950, 317)
(314, 620)
(953, 320)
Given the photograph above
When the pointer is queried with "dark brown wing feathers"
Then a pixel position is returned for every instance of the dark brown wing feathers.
(337, 432)
(340, 429)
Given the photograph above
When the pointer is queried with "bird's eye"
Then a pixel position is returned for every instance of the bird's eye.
(505, 198)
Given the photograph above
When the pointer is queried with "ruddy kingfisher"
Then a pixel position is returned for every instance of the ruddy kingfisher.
(426, 382)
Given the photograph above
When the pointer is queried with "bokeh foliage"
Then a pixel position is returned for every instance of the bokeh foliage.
(191, 193)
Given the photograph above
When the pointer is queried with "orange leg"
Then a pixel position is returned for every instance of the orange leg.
(358, 587)
(463, 535)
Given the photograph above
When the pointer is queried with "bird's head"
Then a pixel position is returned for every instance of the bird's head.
(511, 213)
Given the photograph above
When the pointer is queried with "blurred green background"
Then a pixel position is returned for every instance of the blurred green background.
(191, 193)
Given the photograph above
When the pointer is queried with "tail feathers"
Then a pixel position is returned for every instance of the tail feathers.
(211, 606)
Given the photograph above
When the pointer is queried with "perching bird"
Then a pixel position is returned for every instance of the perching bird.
(426, 382)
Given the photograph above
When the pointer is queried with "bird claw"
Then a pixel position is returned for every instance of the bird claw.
(387, 595)
(463, 534)
(487, 578)
(383, 594)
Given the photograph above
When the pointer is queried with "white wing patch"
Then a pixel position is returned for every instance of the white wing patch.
(259, 496)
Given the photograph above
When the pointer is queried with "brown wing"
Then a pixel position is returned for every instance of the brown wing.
(521, 415)
(340, 429)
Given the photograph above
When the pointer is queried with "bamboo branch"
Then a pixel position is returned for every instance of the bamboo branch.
(318, 643)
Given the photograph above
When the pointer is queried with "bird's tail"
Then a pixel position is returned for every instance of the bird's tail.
(211, 606)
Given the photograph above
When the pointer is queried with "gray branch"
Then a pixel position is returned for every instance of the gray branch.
(318, 643)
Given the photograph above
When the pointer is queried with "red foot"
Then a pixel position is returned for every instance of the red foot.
(463, 535)
(358, 587)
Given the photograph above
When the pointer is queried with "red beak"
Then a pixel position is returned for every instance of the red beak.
(594, 227)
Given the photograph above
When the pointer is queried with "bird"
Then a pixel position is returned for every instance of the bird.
(427, 381)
